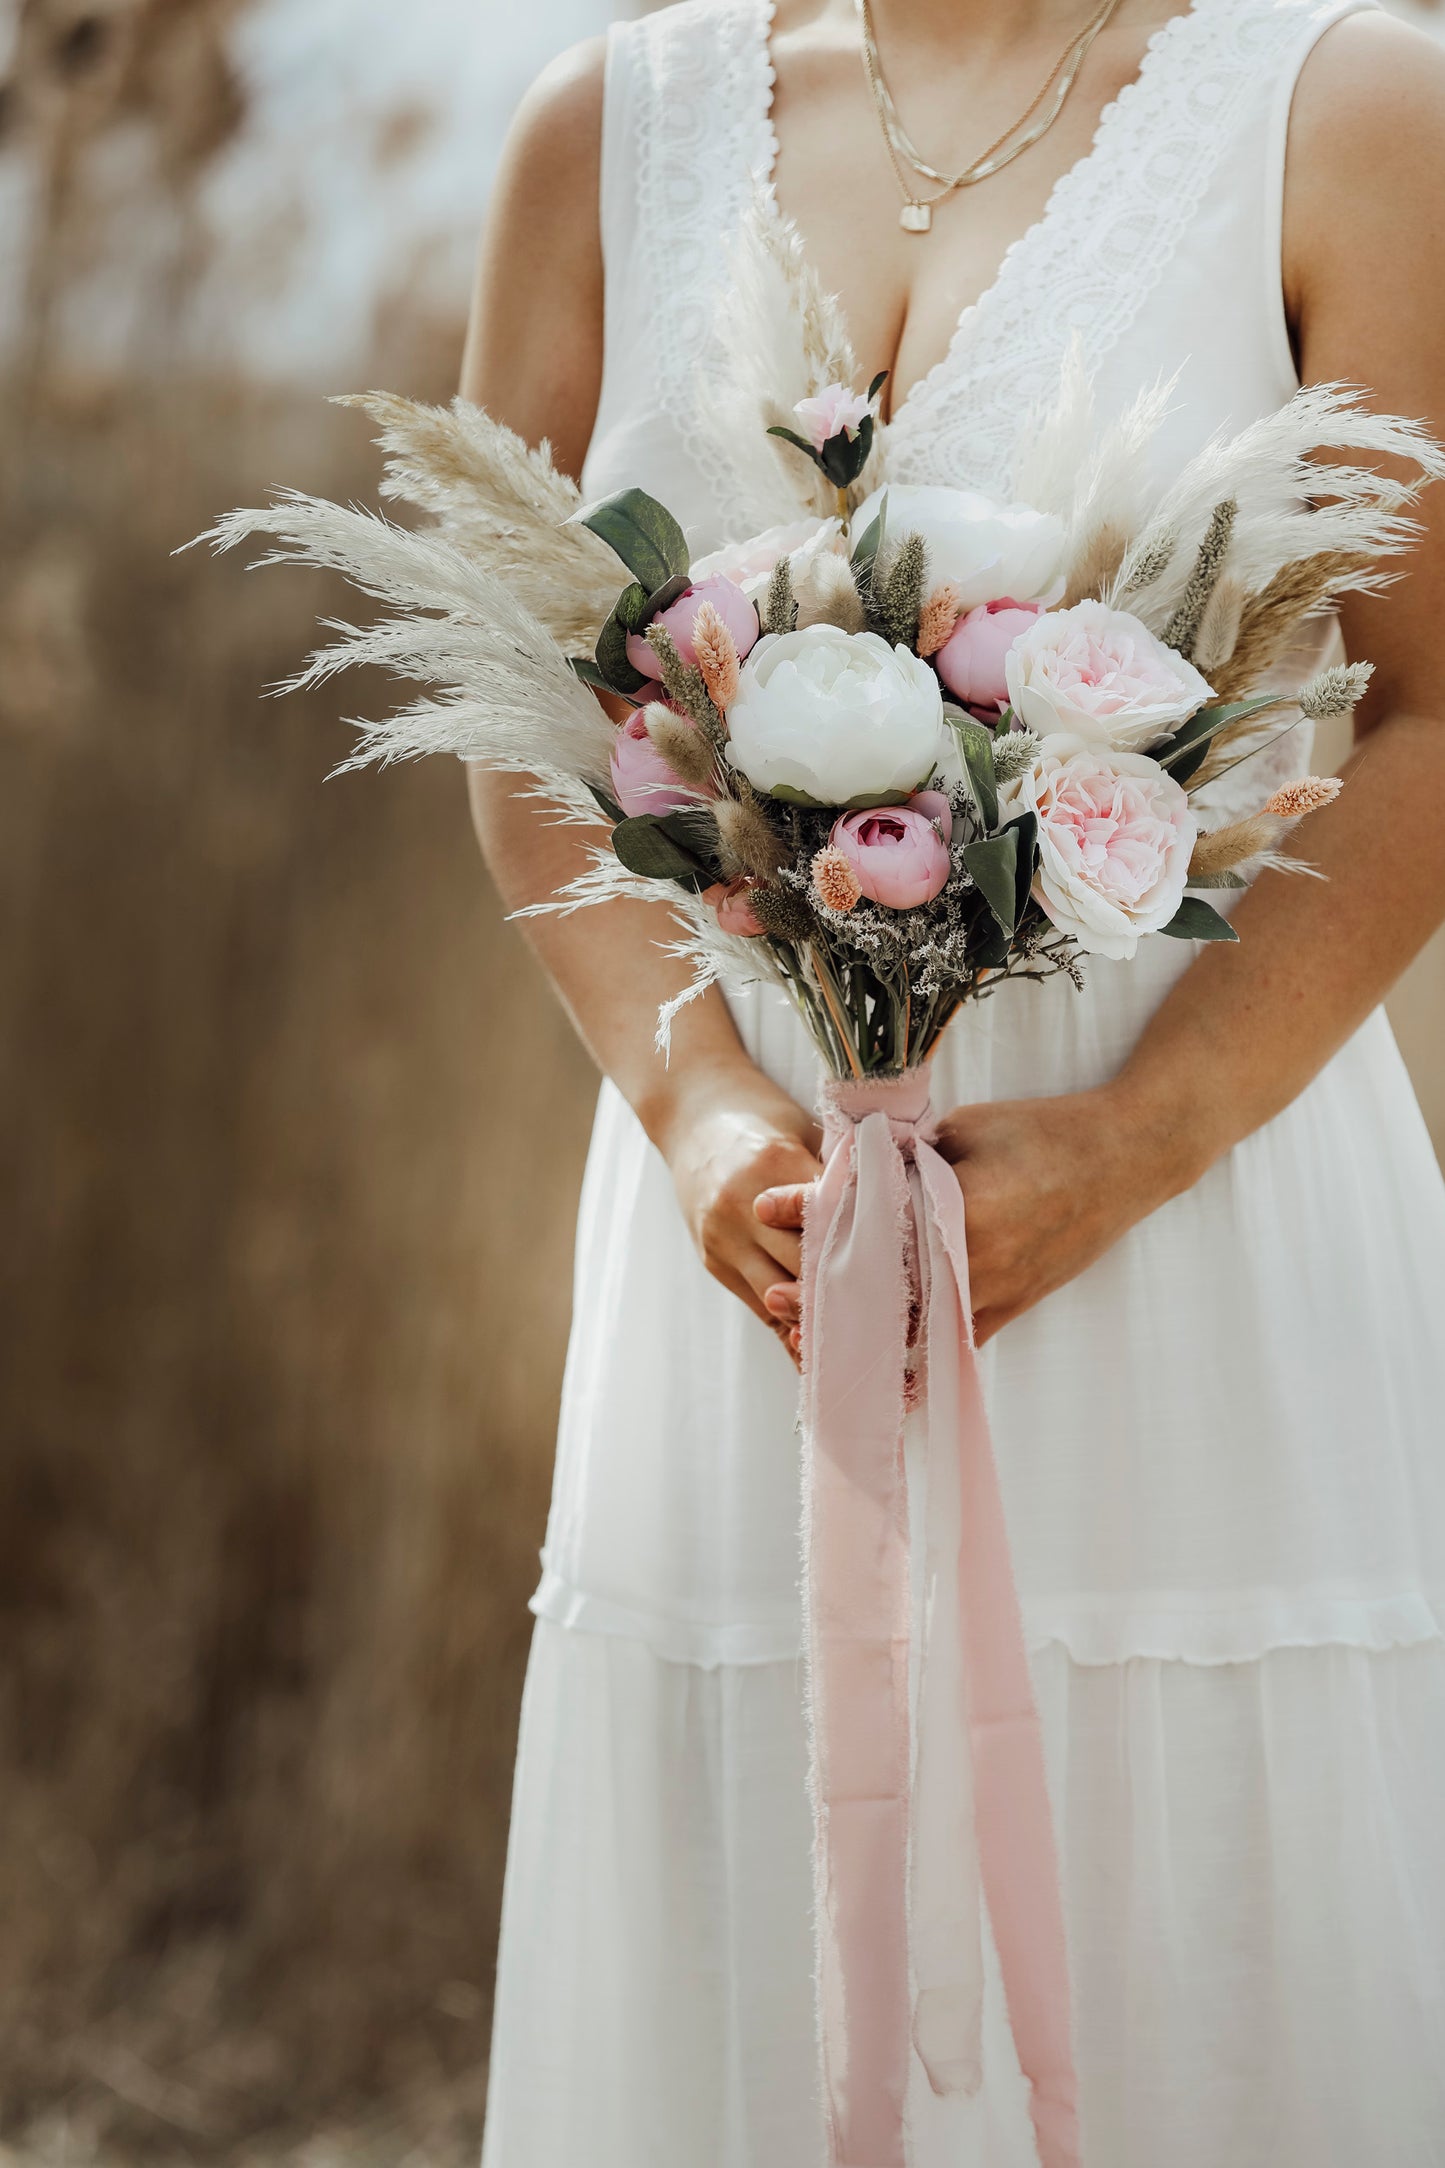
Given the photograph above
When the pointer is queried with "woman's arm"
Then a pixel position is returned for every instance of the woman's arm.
(1050, 1184)
(534, 360)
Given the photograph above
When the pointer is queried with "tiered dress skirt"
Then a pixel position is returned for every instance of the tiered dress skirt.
(1223, 1458)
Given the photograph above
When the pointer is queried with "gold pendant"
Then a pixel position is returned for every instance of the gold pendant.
(916, 217)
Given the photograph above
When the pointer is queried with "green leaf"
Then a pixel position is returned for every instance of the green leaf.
(1185, 753)
(1027, 827)
(877, 385)
(801, 444)
(694, 830)
(628, 614)
(646, 845)
(975, 742)
(871, 540)
(584, 668)
(1217, 880)
(1196, 920)
(608, 804)
(993, 863)
(664, 597)
(643, 533)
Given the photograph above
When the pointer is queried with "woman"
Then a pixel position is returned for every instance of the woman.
(1206, 1232)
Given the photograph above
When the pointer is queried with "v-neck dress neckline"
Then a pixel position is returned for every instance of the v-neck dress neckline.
(1029, 251)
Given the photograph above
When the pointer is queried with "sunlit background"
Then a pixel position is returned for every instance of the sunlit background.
(290, 1132)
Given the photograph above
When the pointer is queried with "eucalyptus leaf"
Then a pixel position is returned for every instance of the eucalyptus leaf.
(607, 804)
(975, 743)
(628, 615)
(877, 385)
(584, 668)
(643, 533)
(871, 540)
(1196, 920)
(694, 830)
(993, 863)
(1186, 751)
(1027, 828)
(645, 845)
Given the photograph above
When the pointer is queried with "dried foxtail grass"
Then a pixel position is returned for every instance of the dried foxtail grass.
(504, 503)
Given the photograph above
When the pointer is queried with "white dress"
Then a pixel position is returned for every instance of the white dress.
(1221, 1446)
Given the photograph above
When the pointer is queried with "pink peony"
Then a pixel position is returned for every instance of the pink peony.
(726, 597)
(971, 660)
(730, 901)
(835, 412)
(934, 806)
(642, 782)
(1115, 836)
(1099, 674)
(899, 856)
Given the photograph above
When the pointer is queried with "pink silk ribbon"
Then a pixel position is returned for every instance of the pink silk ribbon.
(930, 1800)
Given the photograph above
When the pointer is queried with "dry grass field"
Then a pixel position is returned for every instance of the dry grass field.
(290, 1137)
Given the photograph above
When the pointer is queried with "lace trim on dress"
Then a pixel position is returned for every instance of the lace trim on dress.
(1112, 225)
(704, 143)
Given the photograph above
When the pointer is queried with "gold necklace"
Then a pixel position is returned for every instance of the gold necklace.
(1035, 121)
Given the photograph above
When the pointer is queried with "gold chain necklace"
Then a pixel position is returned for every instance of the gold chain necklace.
(1035, 121)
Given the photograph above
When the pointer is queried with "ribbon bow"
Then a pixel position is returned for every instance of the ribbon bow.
(901, 1869)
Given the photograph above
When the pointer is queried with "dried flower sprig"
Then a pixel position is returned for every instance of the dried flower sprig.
(937, 618)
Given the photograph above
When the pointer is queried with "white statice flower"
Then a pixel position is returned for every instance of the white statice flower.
(827, 717)
(1115, 837)
(987, 552)
(1101, 675)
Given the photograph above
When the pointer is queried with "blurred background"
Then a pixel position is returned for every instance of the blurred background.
(282, 1300)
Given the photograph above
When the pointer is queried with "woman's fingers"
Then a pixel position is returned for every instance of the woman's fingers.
(782, 1207)
(784, 1301)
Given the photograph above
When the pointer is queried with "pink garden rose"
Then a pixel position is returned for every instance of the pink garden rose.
(934, 806)
(750, 564)
(726, 597)
(971, 661)
(897, 853)
(730, 901)
(642, 782)
(1101, 675)
(1115, 837)
(835, 412)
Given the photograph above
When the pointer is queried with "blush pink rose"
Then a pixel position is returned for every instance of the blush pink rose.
(897, 853)
(835, 412)
(1099, 674)
(1115, 836)
(730, 901)
(642, 782)
(726, 597)
(971, 661)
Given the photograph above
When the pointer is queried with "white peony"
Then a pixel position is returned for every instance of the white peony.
(1115, 837)
(1103, 676)
(989, 552)
(833, 718)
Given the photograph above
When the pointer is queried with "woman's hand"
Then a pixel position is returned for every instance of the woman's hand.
(725, 1141)
(1048, 1186)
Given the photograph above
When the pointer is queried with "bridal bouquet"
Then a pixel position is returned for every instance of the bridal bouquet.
(890, 748)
